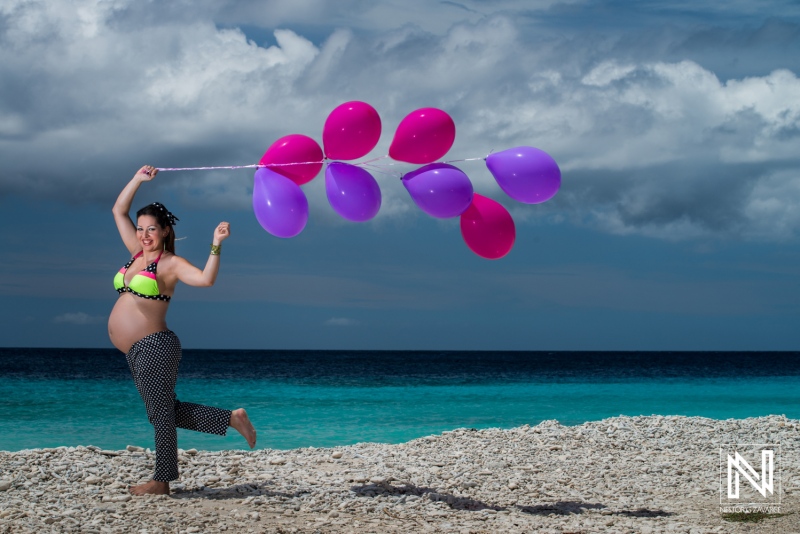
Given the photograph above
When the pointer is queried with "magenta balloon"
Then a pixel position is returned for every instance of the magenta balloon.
(279, 204)
(423, 136)
(294, 148)
(351, 131)
(352, 192)
(439, 189)
(525, 173)
(487, 228)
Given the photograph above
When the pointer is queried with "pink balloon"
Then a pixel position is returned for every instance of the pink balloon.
(279, 204)
(423, 136)
(487, 228)
(351, 131)
(294, 148)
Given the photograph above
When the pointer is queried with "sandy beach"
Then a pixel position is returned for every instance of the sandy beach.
(620, 475)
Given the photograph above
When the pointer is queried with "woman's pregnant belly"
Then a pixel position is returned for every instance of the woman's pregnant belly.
(130, 320)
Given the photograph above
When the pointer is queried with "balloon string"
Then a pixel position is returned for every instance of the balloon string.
(380, 169)
(255, 166)
(373, 159)
(466, 159)
(367, 163)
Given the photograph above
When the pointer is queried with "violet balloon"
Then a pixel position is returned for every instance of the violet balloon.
(487, 228)
(525, 173)
(292, 149)
(352, 192)
(279, 204)
(351, 131)
(423, 136)
(439, 189)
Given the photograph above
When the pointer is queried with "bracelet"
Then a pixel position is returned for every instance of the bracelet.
(215, 249)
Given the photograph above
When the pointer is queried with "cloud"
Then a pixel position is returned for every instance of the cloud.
(664, 148)
(341, 321)
(771, 206)
(79, 318)
(701, 149)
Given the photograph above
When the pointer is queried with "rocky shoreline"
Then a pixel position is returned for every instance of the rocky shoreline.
(619, 475)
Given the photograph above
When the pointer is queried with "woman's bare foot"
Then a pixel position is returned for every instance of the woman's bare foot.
(242, 424)
(154, 487)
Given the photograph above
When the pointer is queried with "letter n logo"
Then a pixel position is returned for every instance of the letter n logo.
(739, 466)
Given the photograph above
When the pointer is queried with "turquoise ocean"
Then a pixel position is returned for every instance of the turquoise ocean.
(55, 397)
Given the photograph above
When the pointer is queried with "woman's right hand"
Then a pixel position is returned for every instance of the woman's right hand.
(122, 207)
(146, 173)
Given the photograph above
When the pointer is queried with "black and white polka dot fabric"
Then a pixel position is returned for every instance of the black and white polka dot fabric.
(153, 361)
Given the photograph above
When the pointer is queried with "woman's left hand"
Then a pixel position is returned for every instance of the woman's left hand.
(221, 232)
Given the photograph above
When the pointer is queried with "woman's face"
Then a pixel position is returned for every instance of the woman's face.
(151, 236)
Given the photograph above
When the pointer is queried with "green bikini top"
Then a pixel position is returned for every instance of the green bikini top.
(143, 284)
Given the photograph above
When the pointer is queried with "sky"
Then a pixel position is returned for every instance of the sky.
(676, 126)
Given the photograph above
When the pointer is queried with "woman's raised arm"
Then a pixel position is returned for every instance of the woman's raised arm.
(122, 207)
(191, 275)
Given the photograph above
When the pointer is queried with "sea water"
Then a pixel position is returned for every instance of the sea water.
(54, 397)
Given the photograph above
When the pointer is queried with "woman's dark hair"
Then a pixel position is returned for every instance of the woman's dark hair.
(165, 219)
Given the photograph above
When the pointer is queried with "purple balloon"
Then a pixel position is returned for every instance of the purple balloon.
(352, 192)
(525, 173)
(439, 189)
(279, 204)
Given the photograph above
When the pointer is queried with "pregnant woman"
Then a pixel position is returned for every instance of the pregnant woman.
(138, 327)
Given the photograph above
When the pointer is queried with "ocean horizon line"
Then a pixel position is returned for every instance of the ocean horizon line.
(514, 351)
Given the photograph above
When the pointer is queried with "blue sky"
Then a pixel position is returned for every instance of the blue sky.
(676, 126)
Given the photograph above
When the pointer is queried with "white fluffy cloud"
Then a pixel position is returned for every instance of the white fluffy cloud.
(91, 90)
(669, 150)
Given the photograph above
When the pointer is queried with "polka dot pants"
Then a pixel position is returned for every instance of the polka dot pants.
(153, 361)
